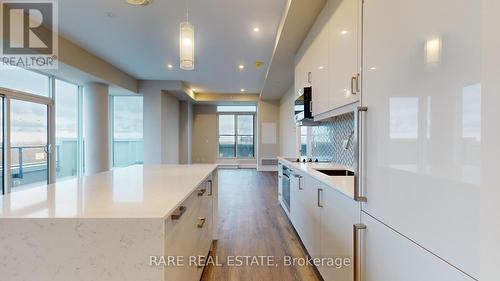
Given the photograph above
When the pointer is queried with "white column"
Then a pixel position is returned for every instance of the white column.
(96, 127)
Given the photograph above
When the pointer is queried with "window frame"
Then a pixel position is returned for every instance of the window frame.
(80, 155)
(236, 135)
(10, 94)
(298, 141)
(111, 124)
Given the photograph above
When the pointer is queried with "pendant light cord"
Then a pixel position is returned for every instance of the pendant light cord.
(187, 10)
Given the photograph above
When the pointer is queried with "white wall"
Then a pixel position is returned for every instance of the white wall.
(288, 130)
(185, 132)
(170, 129)
(161, 123)
(267, 112)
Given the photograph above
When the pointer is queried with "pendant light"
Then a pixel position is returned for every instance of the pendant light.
(186, 51)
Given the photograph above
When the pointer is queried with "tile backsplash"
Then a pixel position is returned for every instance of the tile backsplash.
(328, 140)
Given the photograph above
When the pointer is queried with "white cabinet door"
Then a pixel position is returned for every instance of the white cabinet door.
(299, 72)
(389, 256)
(338, 215)
(303, 63)
(295, 204)
(422, 87)
(344, 40)
(311, 219)
(320, 63)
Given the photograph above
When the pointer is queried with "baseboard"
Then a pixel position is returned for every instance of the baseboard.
(273, 168)
(236, 166)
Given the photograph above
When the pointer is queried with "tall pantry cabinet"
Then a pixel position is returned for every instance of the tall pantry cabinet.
(415, 66)
(422, 136)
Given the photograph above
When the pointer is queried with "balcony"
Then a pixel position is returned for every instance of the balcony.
(29, 162)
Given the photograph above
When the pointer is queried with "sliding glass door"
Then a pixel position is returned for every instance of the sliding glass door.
(28, 144)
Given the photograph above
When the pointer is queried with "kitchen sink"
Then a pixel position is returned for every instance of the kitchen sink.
(333, 172)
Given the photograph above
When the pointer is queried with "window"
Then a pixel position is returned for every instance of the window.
(67, 149)
(236, 131)
(128, 144)
(23, 80)
(303, 141)
(236, 108)
(26, 102)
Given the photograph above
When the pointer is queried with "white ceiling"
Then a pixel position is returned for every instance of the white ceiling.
(143, 40)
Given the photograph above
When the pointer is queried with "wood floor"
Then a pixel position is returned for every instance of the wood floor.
(251, 223)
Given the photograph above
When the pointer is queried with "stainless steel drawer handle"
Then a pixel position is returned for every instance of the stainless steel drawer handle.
(320, 197)
(177, 214)
(355, 248)
(201, 222)
(210, 188)
(353, 91)
(201, 192)
(360, 143)
(299, 177)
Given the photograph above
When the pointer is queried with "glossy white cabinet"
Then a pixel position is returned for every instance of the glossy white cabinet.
(329, 58)
(424, 134)
(305, 214)
(344, 51)
(323, 218)
(386, 255)
(320, 63)
(310, 226)
(296, 217)
(303, 66)
(338, 215)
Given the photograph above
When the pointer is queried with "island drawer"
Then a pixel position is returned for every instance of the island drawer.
(189, 234)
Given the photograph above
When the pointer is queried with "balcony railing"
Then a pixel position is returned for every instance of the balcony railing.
(29, 162)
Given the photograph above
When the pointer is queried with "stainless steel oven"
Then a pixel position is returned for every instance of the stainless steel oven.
(286, 188)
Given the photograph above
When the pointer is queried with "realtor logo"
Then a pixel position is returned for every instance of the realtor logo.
(29, 34)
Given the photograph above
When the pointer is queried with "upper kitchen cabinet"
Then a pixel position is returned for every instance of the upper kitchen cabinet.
(329, 58)
(344, 52)
(303, 66)
(320, 63)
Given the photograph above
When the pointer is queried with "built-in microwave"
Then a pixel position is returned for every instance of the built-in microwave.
(303, 106)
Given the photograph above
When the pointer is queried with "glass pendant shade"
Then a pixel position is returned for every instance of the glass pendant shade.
(186, 46)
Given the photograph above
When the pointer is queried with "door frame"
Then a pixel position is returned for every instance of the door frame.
(9, 95)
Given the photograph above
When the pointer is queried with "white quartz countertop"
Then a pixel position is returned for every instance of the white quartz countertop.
(149, 191)
(343, 184)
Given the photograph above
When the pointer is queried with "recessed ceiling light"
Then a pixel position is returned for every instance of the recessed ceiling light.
(170, 66)
(256, 29)
(241, 66)
(344, 32)
(373, 68)
(242, 90)
(138, 2)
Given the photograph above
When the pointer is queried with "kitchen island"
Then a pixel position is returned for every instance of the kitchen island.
(108, 226)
